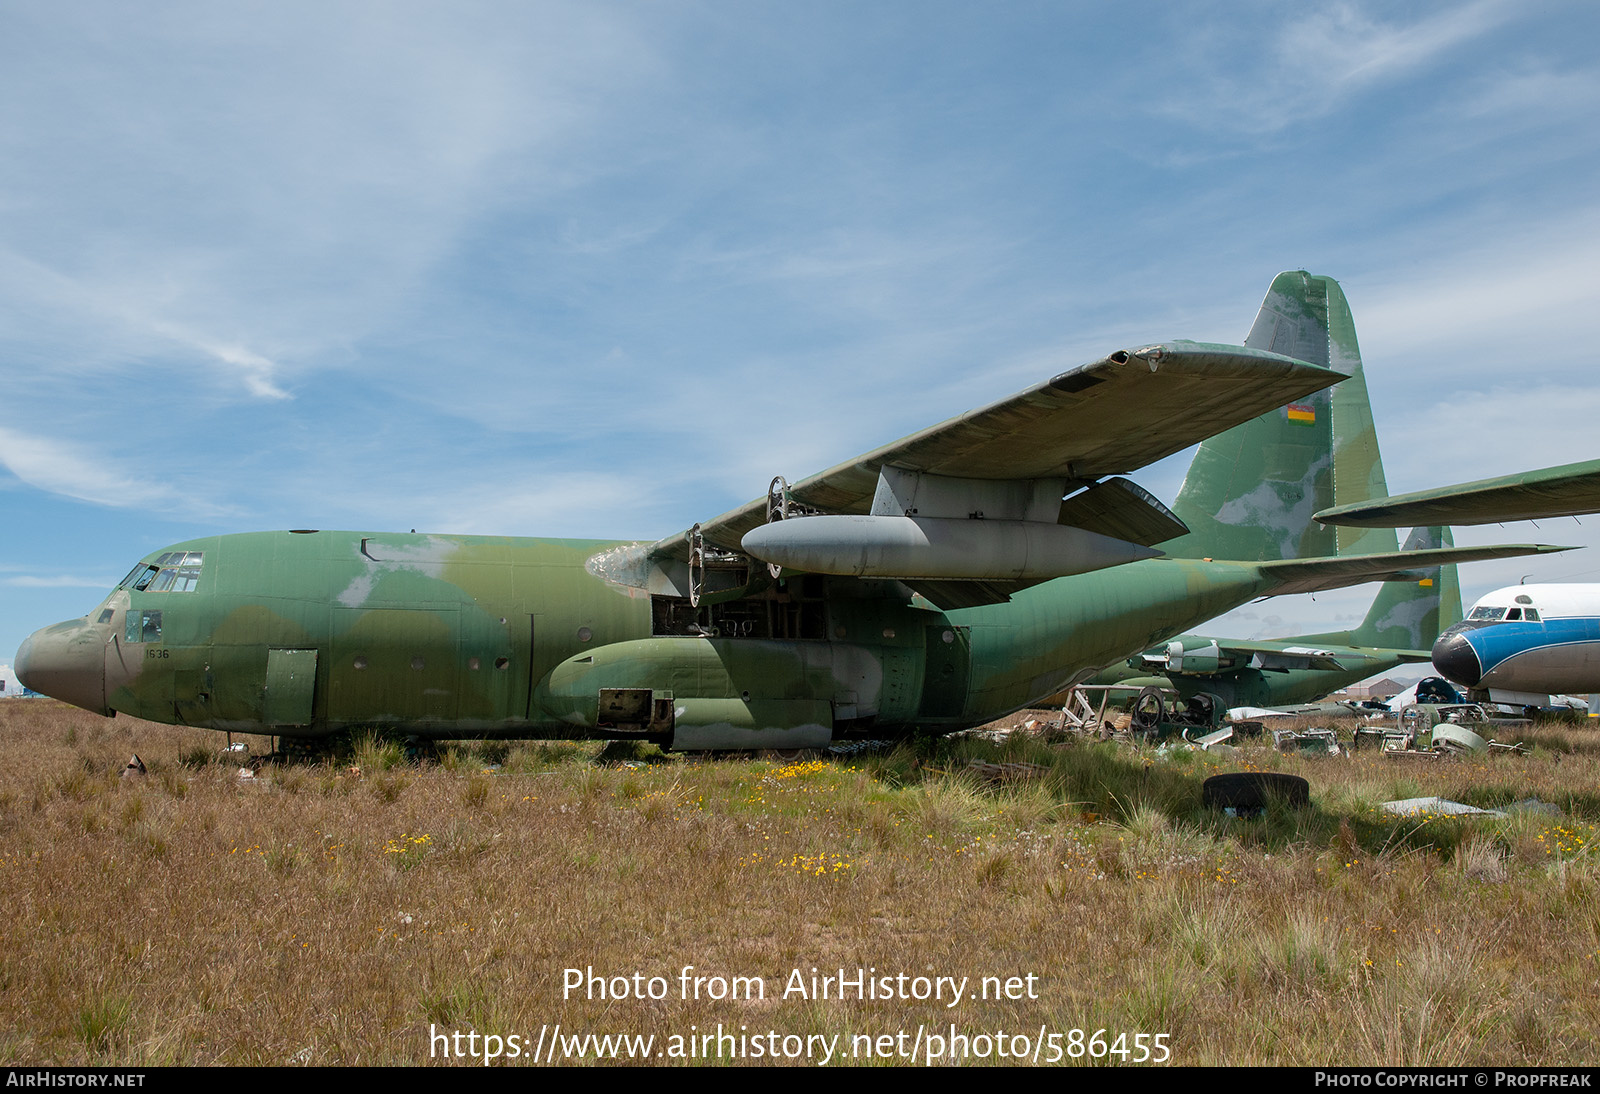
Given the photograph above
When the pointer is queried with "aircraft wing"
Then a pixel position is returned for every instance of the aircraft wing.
(1568, 490)
(1319, 574)
(1278, 655)
(1105, 418)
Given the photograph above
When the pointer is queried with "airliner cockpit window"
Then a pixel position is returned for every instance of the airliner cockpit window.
(173, 572)
(1530, 615)
(1487, 613)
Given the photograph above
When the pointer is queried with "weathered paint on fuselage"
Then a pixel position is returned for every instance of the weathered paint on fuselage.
(304, 634)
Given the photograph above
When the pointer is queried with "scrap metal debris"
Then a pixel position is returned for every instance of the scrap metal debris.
(1311, 742)
(1450, 729)
(1007, 772)
(1416, 807)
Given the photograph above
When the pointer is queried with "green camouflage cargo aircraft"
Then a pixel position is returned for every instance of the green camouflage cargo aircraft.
(938, 582)
(1296, 463)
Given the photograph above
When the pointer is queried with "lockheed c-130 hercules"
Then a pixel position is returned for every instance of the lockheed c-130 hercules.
(939, 582)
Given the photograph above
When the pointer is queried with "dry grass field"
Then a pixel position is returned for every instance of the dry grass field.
(323, 915)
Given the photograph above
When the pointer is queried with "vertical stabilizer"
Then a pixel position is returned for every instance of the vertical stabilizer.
(1408, 615)
(1357, 463)
(1250, 491)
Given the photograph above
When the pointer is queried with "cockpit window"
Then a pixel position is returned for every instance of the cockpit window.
(1514, 613)
(172, 572)
(142, 626)
(1530, 615)
(1487, 613)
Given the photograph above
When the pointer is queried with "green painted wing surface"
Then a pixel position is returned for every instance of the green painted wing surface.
(1105, 418)
(1569, 490)
(1316, 575)
(1285, 654)
(1305, 653)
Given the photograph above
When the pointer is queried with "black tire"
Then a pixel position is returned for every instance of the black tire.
(1252, 790)
(1148, 709)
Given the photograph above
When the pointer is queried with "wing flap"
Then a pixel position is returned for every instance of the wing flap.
(950, 595)
(1122, 510)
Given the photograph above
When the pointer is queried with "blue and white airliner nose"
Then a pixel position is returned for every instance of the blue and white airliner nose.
(1455, 657)
(1526, 641)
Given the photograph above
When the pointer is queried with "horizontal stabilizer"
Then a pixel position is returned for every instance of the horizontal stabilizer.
(1315, 575)
(1569, 490)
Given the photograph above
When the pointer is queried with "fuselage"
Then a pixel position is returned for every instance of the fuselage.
(308, 633)
(1526, 641)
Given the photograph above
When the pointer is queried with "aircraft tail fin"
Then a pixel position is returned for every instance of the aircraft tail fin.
(1409, 614)
(1251, 491)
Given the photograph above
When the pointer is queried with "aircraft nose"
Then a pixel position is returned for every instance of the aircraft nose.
(66, 662)
(1455, 658)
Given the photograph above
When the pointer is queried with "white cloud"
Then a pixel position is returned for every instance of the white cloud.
(77, 472)
(1341, 46)
(1313, 63)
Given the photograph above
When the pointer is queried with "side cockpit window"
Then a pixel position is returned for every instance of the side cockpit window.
(142, 626)
(173, 572)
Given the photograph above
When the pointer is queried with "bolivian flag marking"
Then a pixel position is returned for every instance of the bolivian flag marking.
(1302, 414)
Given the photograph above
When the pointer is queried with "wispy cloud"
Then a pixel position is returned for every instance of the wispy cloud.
(78, 472)
(254, 370)
(1341, 46)
(1315, 61)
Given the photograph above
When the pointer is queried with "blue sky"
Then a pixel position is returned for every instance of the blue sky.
(605, 269)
